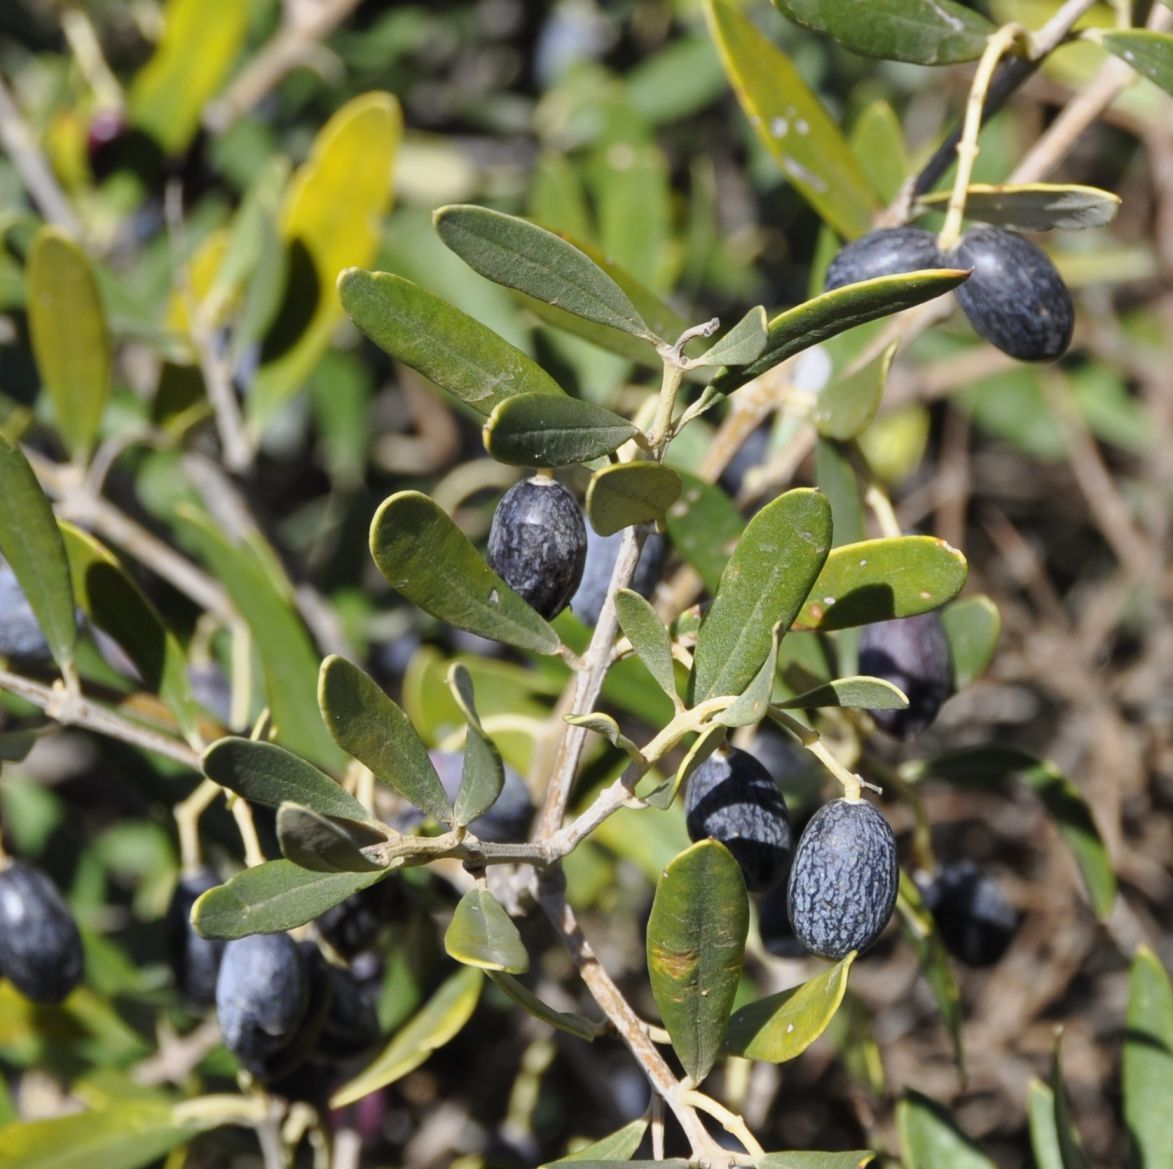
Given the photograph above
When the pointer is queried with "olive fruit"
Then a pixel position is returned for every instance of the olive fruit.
(774, 926)
(974, 918)
(262, 995)
(886, 252)
(601, 553)
(354, 925)
(1015, 297)
(734, 799)
(40, 947)
(537, 543)
(843, 880)
(913, 654)
(194, 959)
(511, 815)
(20, 633)
(351, 1024)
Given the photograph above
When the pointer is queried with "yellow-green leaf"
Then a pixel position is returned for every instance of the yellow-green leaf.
(931, 1138)
(630, 493)
(1148, 1060)
(1149, 53)
(1034, 206)
(482, 934)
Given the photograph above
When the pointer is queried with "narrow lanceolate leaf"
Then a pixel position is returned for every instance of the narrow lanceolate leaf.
(923, 32)
(765, 583)
(972, 627)
(112, 600)
(32, 545)
(643, 628)
(482, 934)
(68, 332)
(1034, 206)
(782, 1026)
(577, 1025)
(1148, 1061)
(704, 526)
(1070, 1145)
(993, 762)
(427, 558)
(856, 1159)
(541, 430)
(274, 896)
(605, 727)
(706, 743)
(125, 1134)
(858, 692)
(325, 844)
(742, 344)
(455, 351)
(835, 312)
(442, 1017)
(931, 1138)
(616, 1146)
(875, 580)
(1044, 1136)
(630, 493)
(791, 123)
(846, 405)
(201, 40)
(752, 703)
(482, 775)
(267, 774)
(696, 941)
(1149, 53)
(521, 255)
(368, 725)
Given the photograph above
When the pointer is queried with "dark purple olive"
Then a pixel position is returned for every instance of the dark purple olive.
(734, 799)
(20, 633)
(886, 252)
(194, 959)
(537, 543)
(601, 554)
(913, 654)
(974, 918)
(844, 879)
(40, 947)
(512, 813)
(351, 1025)
(355, 924)
(1015, 297)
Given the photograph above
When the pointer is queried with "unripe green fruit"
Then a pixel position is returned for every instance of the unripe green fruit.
(844, 879)
(913, 654)
(733, 798)
(537, 543)
(1015, 297)
(40, 947)
(886, 252)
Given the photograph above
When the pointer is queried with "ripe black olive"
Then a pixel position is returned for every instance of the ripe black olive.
(194, 959)
(886, 252)
(601, 554)
(913, 654)
(40, 947)
(974, 918)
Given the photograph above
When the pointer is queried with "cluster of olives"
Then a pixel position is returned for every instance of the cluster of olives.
(283, 1006)
(40, 947)
(1014, 297)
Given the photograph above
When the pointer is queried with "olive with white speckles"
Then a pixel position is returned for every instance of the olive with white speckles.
(886, 252)
(1015, 297)
(537, 543)
(734, 799)
(913, 654)
(844, 879)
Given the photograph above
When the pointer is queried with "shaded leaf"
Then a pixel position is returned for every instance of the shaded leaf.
(990, 763)
(521, 255)
(878, 141)
(605, 727)
(1149, 53)
(931, 1139)
(972, 626)
(923, 32)
(325, 844)
(69, 338)
(704, 526)
(837, 480)
(812, 1160)
(875, 580)
(1070, 1146)
(1034, 206)
(791, 123)
(615, 1146)
(835, 312)
(272, 897)
(752, 703)
(630, 493)
(442, 1017)
(742, 344)
(455, 351)
(370, 726)
(427, 558)
(765, 582)
(32, 544)
(482, 775)
(482, 934)
(643, 628)
(695, 943)
(267, 774)
(859, 692)
(846, 405)
(541, 430)
(572, 1024)
(705, 744)
(1148, 1061)
(782, 1026)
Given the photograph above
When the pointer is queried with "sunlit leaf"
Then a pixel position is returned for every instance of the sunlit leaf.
(1149, 53)
(643, 628)
(1034, 206)
(972, 626)
(541, 430)
(1148, 1061)
(576, 1025)
(616, 1146)
(813, 1160)
(482, 934)
(630, 493)
(846, 405)
(704, 526)
(1044, 1136)
(751, 704)
(325, 844)
(481, 776)
(662, 795)
(931, 1138)
(859, 692)
(742, 344)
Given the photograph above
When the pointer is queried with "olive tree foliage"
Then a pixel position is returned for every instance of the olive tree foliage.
(480, 803)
